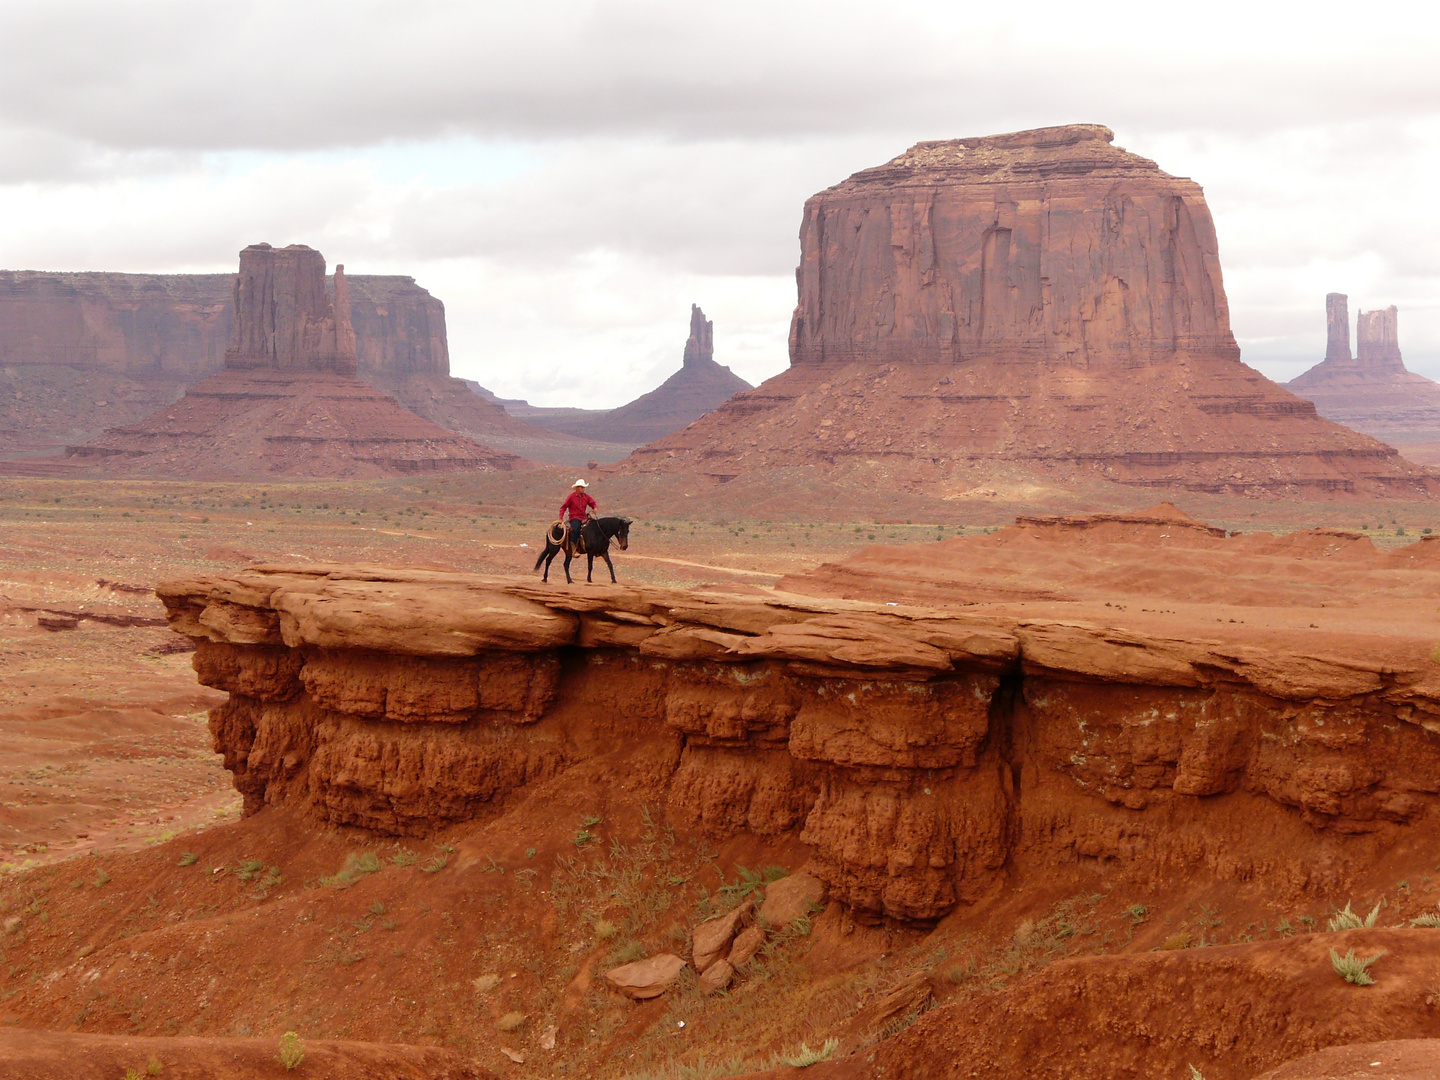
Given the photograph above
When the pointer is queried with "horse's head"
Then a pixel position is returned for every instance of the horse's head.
(622, 534)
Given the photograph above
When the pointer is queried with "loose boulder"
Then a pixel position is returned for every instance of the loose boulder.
(789, 898)
(713, 937)
(647, 978)
(747, 944)
(717, 977)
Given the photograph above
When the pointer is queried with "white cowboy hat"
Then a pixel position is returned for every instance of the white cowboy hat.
(580, 483)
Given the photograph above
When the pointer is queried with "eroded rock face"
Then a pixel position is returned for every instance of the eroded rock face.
(1052, 243)
(1041, 304)
(284, 318)
(914, 750)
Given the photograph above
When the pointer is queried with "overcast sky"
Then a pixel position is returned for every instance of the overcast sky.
(569, 176)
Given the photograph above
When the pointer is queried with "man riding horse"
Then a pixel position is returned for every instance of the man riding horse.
(575, 510)
(580, 532)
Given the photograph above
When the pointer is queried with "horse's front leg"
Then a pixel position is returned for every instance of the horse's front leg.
(610, 564)
(590, 570)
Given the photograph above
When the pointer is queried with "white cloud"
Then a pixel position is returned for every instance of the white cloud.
(569, 177)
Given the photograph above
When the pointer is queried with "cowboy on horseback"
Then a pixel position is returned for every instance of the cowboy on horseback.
(575, 510)
(580, 532)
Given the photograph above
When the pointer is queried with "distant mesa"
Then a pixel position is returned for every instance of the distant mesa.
(82, 352)
(700, 386)
(287, 401)
(1372, 391)
(1040, 308)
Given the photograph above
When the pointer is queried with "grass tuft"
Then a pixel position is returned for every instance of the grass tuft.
(804, 1057)
(357, 865)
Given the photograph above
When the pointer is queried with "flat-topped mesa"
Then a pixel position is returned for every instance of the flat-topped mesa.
(1337, 327)
(1024, 313)
(284, 318)
(1377, 339)
(1047, 243)
(288, 401)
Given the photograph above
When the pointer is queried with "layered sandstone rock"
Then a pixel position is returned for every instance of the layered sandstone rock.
(81, 352)
(1372, 391)
(1041, 307)
(1278, 693)
(700, 386)
(285, 320)
(287, 401)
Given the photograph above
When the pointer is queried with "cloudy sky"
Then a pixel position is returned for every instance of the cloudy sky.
(569, 176)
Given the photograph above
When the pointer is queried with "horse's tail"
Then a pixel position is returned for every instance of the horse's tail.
(539, 560)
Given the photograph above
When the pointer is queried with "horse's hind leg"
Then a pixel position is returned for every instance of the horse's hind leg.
(549, 558)
(568, 579)
(610, 564)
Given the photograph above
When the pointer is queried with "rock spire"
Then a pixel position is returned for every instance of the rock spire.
(1337, 326)
(700, 346)
(1373, 392)
(1377, 338)
(284, 318)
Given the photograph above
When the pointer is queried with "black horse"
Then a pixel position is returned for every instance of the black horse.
(595, 537)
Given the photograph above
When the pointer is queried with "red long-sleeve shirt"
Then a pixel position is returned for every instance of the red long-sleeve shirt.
(575, 506)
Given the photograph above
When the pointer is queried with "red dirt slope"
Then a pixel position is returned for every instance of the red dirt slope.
(50, 1055)
(1403, 1059)
(1231, 1011)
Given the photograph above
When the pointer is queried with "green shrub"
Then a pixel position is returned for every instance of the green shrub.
(1352, 969)
(1431, 918)
(510, 1021)
(749, 881)
(292, 1051)
(189, 858)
